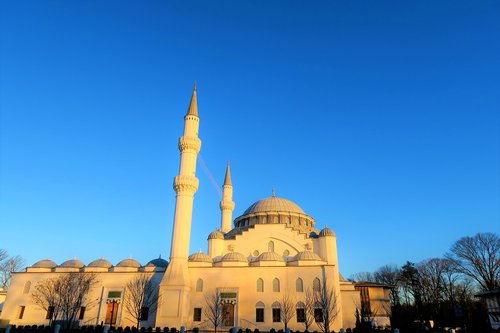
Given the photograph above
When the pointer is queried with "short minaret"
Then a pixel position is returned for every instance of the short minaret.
(227, 203)
(175, 284)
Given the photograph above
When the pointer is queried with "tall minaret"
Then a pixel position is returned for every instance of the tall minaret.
(175, 284)
(227, 203)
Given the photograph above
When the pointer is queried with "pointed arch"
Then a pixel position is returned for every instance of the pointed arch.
(260, 285)
(316, 284)
(276, 285)
(259, 304)
(299, 285)
(199, 285)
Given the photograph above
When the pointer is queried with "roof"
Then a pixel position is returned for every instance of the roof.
(200, 257)
(234, 256)
(45, 263)
(274, 204)
(158, 262)
(269, 256)
(75, 263)
(100, 263)
(372, 284)
(129, 263)
(306, 255)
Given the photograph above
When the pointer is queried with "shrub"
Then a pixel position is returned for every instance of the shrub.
(143, 329)
(120, 329)
(272, 330)
(195, 330)
(150, 329)
(173, 330)
(256, 330)
(158, 329)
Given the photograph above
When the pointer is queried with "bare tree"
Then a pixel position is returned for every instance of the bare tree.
(287, 308)
(8, 265)
(66, 294)
(362, 277)
(141, 298)
(478, 257)
(213, 308)
(390, 275)
(326, 305)
(308, 309)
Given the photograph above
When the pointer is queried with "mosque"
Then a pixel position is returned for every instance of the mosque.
(273, 249)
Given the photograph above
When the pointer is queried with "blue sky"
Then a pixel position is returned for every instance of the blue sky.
(381, 119)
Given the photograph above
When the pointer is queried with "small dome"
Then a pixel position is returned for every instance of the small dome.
(74, 263)
(46, 263)
(269, 256)
(200, 257)
(306, 255)
(313, 234)
(129, 263)
(216, 235)
(234, 256)
(158, 262)
(274, 204)
(100, 263)
(326, 232)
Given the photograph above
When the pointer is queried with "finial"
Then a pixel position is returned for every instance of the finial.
(159, 257)
(194, 86)
(274, 192)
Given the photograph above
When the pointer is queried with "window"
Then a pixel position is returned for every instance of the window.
(270, 246)
(260, 285)
(259, 315)
(50, 312)
(82, 313)
(301, 315)
(144, 313)
(316, 285)
(197, 314)
(276, 285)
(276, 315)
(20, 311)
(199, 285)
(27, 287)
(318, 315)
(299, 285)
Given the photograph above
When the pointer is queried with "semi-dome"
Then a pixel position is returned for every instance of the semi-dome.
(100, 263)
(234, 256)
(216, 235)
(269, 256)
(307, 256)
(129, 263)
(73, 263)
(274, 204)
(326, 232)
(45, 263)
(200, 257)
(158, 262)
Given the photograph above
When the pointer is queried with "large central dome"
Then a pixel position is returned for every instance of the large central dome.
(274, 204)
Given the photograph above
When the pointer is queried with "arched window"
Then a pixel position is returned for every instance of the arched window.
(276, 312)
(316, 285)
(27, 287)
(299, 285)
(264, 220)
(276, 285)
(301, 312)
(259, 312)
(260, 285)
(270, 246)
(199, 285)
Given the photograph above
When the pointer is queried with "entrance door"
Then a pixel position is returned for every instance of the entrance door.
(228, 314)
(111, 313)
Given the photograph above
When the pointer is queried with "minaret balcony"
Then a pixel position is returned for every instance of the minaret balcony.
(191, 143)
(186, 183)
(227, 205)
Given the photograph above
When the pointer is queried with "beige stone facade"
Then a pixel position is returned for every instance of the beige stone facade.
(273, 248)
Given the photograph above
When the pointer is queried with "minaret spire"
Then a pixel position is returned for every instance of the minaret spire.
(227, 203)
(193, 105)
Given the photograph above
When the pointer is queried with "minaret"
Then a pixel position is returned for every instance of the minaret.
(175, 284)
(227, 203)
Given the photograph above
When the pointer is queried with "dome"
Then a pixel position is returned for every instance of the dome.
(74, 263)
(129, 263)
(269, 256)
(158, 262)
(46, 263)
(274, 204)
(100, 263)
(200, 257)
(216, 235)
(234, 256)
(306, 255)
(326, 232)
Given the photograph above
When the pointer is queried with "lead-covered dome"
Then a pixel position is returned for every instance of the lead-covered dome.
(45, 263)
(73, 263)
(274, 204)
(326, 232)
(216, 235)
(269, 256)
(100, 263)
(306, 256)
(200, 257)
(158, 262)
(234, 256)
(129, 263)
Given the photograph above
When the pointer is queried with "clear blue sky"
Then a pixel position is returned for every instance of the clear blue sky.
(381, 119)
